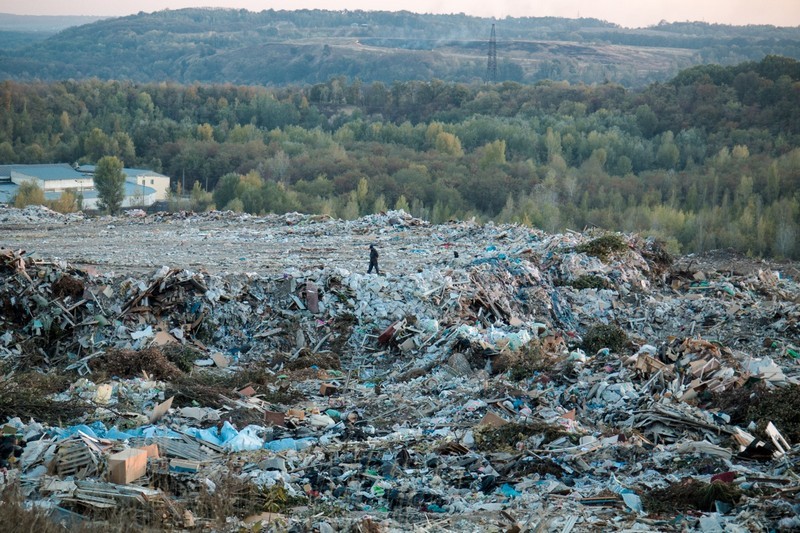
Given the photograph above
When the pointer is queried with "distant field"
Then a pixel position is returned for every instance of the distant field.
(42, 24)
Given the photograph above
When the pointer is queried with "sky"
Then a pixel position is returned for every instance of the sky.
(630, 13)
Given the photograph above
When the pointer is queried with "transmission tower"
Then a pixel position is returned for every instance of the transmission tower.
(491, 65)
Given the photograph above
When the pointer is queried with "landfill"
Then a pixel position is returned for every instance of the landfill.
(227, 372)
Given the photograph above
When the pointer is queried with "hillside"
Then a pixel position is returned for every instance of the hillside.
(309, 46)
(19, 31)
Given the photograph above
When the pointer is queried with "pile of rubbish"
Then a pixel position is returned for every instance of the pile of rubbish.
(573, 382)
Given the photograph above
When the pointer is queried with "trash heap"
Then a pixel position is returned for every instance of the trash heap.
(527, 382)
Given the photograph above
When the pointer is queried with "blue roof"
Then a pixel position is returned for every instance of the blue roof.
(7, 192)
(48, 172)
(130, 172)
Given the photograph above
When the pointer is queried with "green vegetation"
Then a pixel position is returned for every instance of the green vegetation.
(708, 160)
(602, 336)
(506, 436)
(31, 194)
(110, 184)
(28, 193)
(604, 247)
(690, 494)
(589, 281)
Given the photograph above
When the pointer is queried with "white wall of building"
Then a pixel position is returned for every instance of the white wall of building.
(159, 183)
(129, 201)
(53, 185)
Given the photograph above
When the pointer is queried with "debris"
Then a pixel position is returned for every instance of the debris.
(327, 389)
(160, 410)
(220, 360)
(566, 382)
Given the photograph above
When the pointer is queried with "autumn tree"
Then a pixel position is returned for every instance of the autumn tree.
(66, 202)
(28, 193)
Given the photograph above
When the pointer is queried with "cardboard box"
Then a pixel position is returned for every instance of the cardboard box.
(151, 450)
(127, 465)
(492, 420)
(296, 413)
(247, 391)
(275, 418)
(327, 389)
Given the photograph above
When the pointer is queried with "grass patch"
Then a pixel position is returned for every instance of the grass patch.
(603, 247)
(604, 336)
(26, 395)
(589, 281)
(206, 387)
(130, 364)
(537, 466)
(307, 359)
(182, 357)
(523, 363)
(657, 255)
(690, 494)
(505, 437)
(780, 406)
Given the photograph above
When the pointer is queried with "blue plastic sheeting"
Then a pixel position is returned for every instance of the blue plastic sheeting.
(248, 439)
(511, 264)
(149, 432)
(228, 437)
(214, 435)
(485, 260)
(561, 312)
(91, 431)
(509, 491)
(99, 431)
(281, 445)
(116, 434)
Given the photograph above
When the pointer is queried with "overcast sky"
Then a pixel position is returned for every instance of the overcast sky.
(631, 13)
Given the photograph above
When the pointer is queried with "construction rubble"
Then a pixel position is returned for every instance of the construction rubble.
(223, 372)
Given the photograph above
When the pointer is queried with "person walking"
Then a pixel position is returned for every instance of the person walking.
(373, 260)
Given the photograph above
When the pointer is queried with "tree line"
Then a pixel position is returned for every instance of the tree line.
(709, 159)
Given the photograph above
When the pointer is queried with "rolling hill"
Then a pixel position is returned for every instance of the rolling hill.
(310, 46)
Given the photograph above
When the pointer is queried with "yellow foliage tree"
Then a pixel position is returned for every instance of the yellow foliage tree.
(65, 204)
(29, 194)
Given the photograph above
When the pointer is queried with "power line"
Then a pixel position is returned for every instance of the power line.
(491, 65)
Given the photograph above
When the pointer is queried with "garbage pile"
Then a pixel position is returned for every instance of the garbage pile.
(526, 382)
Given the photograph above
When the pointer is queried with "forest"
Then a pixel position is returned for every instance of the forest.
(709, 159)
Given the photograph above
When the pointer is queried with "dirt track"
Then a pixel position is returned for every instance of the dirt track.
(220, 242)
(226, 242)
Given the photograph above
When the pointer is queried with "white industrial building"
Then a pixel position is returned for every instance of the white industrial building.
(142, 187)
